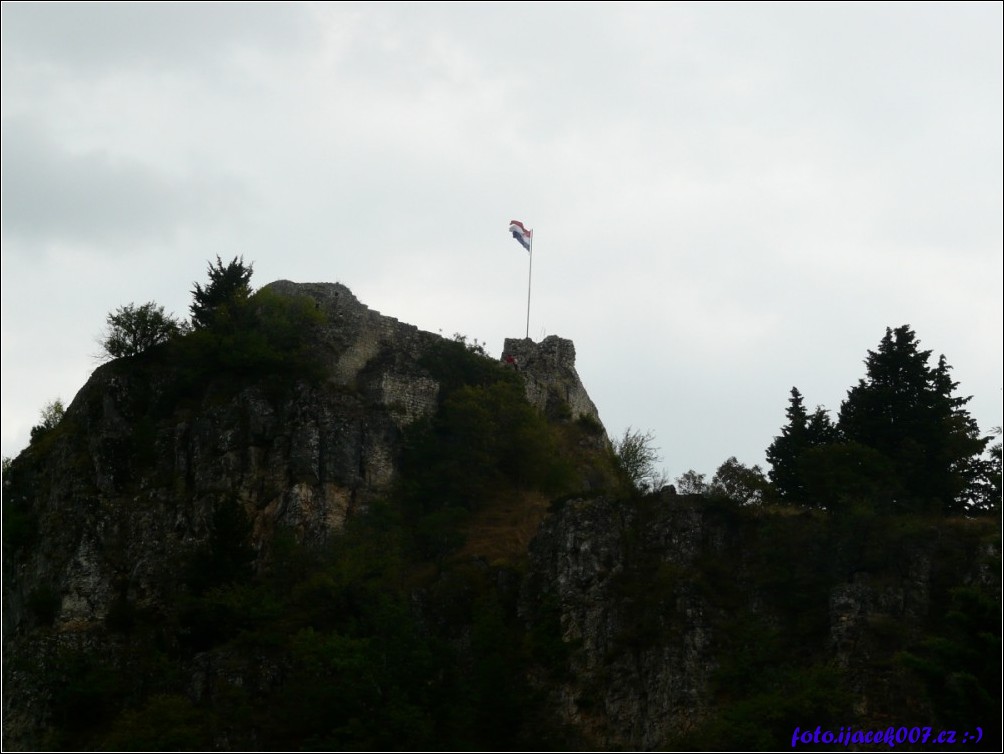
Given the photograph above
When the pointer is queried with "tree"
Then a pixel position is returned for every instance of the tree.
(985, 494)
(691, 483)
(740, 483)
(844, 476)
(906, 410)
(132, 330)
(785, 455)
(52, 415)
(636, 459)
(228, 285)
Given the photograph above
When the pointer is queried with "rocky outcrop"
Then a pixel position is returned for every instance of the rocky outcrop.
(653, 599)
(128, 486)
(640, 629)
(548, 371)
(634, 609)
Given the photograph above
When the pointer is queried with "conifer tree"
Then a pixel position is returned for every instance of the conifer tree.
(802, 433)
(906, 411)
(228, 285)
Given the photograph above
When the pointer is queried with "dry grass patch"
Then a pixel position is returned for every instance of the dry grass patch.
(501, 532)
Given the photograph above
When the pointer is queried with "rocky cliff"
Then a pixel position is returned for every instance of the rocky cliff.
(130, 487)
(548, 371)
(694, 624)
(235, 557)
(133, 476)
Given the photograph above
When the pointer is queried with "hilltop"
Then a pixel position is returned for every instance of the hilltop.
(307, 525)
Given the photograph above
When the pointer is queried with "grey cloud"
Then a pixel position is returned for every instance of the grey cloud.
(157, 35)
(97, 198)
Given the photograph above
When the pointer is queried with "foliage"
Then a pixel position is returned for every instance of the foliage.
(636, 459)
(359, 644)
(841, 475)
(786, 453)
(985, 489)
(166, 722)
(473, 345)
(361, 668)
(906, 410)
(266, 334)
(458, 362)
(132, 330)
(959, 665)
(228, 286)
(691, 483)
(482, 442)
(903, 441)
(87, 695)
(740, 483)
(485, 442)
(772, 697)
(52, 415)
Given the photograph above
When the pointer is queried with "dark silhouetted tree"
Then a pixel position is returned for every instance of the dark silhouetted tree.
(52, 415)
(785, 455)
(985, 494)
(906, 410)
(741, 484)
(229, 286)
(691, 483)
(132, 330)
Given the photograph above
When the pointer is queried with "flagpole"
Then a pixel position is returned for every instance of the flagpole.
(529, 280)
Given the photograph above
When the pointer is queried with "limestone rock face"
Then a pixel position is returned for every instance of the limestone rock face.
(651, 597)
(120, 497)
(548, 370)
(627, 690)
(124, 492)
(643, 599)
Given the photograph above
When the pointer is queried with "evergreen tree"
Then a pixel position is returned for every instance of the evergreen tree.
(228, 285)
(906, 411)
(785, 455)
(985, 492)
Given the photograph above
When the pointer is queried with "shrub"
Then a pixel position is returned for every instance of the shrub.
(132, 330)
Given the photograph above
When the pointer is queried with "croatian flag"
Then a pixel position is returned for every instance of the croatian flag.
(521, 234)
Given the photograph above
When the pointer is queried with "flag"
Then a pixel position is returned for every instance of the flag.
(521, 234)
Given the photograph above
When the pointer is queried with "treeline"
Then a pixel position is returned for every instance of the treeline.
(902, 442)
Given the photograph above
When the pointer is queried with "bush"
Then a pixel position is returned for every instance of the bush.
(132, 330)
(266, 334)
(482, 441)
(739, 483)
(52, 415)
(636, 459)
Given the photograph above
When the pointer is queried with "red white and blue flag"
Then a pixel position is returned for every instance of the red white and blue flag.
(521, 234)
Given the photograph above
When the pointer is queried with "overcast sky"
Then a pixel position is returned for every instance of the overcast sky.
(727, 200)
